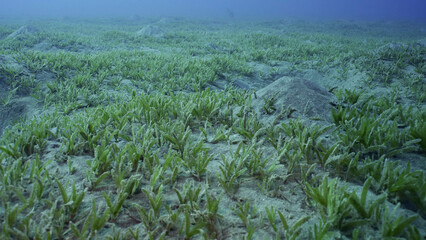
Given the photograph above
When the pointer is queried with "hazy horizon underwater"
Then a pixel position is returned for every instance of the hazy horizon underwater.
(212, 119)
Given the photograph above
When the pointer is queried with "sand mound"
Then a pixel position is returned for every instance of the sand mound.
(308, 99)
(8, 66)
(151, 30)
(14, 103)
(18, 108)
(22, 31)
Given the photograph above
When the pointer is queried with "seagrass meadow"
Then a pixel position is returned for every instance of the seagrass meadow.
(198, 129)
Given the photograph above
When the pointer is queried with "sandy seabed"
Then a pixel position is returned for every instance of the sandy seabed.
(182, 129)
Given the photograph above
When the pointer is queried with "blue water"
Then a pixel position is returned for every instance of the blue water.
(414, 10)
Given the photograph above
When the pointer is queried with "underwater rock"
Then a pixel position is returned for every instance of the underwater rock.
(150, 30)
(24, 30)
(306, 99)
